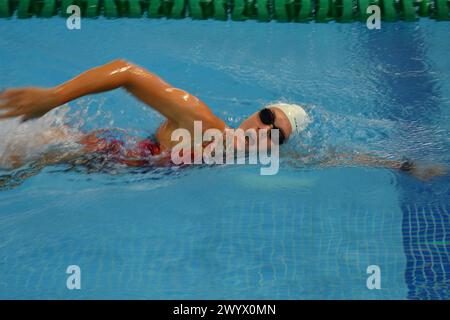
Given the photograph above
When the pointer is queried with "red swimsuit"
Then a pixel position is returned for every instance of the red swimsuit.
(140, 154)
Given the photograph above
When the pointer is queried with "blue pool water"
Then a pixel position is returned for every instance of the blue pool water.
(226, 232)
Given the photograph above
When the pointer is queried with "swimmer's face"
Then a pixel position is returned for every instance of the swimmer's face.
(257, 122)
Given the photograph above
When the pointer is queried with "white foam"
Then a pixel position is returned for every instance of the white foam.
(22, 143)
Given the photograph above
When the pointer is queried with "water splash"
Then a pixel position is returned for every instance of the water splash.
(23, 145)
(25, 142)
(331, 133)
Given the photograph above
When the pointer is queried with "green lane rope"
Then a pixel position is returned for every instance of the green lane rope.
(343, 10)
(64, 5)
(361, 13)
(281, 9)
(47, 8)
(110, 9)
(425, 8)
(220, 9)
(389, 10)
(92, 8)
(239, 9)
(441, 10)
(321, 11)
(305, 8)
(24, 9)
(177, 9)
(408, 12)
(174, 9)
(89, 8)
(5, 9)
(263, 10)
(155, 9)
(196, 9)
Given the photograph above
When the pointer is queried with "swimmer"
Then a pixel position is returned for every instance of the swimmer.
(180, 110)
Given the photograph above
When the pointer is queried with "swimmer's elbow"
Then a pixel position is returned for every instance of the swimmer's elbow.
(140, 81)
(122, 63)
(126, 73)
(125, 68)
(130, 67)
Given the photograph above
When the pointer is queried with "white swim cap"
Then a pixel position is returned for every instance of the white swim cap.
(297, 116)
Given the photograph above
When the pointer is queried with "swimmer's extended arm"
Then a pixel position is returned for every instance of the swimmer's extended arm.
(336, 159)
(420, 171)
(177, 105)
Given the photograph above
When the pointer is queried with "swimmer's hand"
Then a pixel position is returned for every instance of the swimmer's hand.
(27, 103)
(427, 172)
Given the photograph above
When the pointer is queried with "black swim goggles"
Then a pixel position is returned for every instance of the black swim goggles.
(268, 117)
